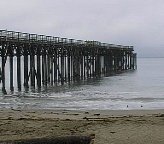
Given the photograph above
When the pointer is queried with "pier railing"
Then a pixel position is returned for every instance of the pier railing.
(26, 37)
(48, 60)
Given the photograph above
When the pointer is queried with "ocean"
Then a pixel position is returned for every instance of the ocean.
(139, 89)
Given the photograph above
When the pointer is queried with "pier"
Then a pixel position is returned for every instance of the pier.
(47, 60)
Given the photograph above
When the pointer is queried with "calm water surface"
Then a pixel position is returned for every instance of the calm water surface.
(141, 89)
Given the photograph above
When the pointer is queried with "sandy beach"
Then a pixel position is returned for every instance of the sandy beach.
(109, 127)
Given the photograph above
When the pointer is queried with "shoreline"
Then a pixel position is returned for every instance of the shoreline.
(109, 113)
(109, 126)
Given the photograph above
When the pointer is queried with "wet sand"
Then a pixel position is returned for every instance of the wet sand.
(109, 127)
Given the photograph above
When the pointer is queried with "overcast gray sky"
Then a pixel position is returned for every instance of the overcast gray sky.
(128, 22)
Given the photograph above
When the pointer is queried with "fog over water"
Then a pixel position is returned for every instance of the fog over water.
(126, 22)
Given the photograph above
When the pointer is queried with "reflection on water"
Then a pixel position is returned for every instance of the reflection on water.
(141, 89)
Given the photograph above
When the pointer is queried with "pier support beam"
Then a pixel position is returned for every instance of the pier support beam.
(11, 69)
(3, 55)
(38, 69)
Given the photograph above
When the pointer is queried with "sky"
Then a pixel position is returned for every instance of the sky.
(127, 22)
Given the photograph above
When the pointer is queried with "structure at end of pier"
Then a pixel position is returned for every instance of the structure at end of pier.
(46, 60)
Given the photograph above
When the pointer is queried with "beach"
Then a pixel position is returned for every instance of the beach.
(109, 127)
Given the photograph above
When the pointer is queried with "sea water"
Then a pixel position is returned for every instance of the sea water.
(139, 89)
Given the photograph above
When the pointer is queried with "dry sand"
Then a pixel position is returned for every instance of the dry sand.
(109, 127)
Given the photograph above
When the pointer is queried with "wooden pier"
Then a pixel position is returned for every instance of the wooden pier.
(47, 60)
